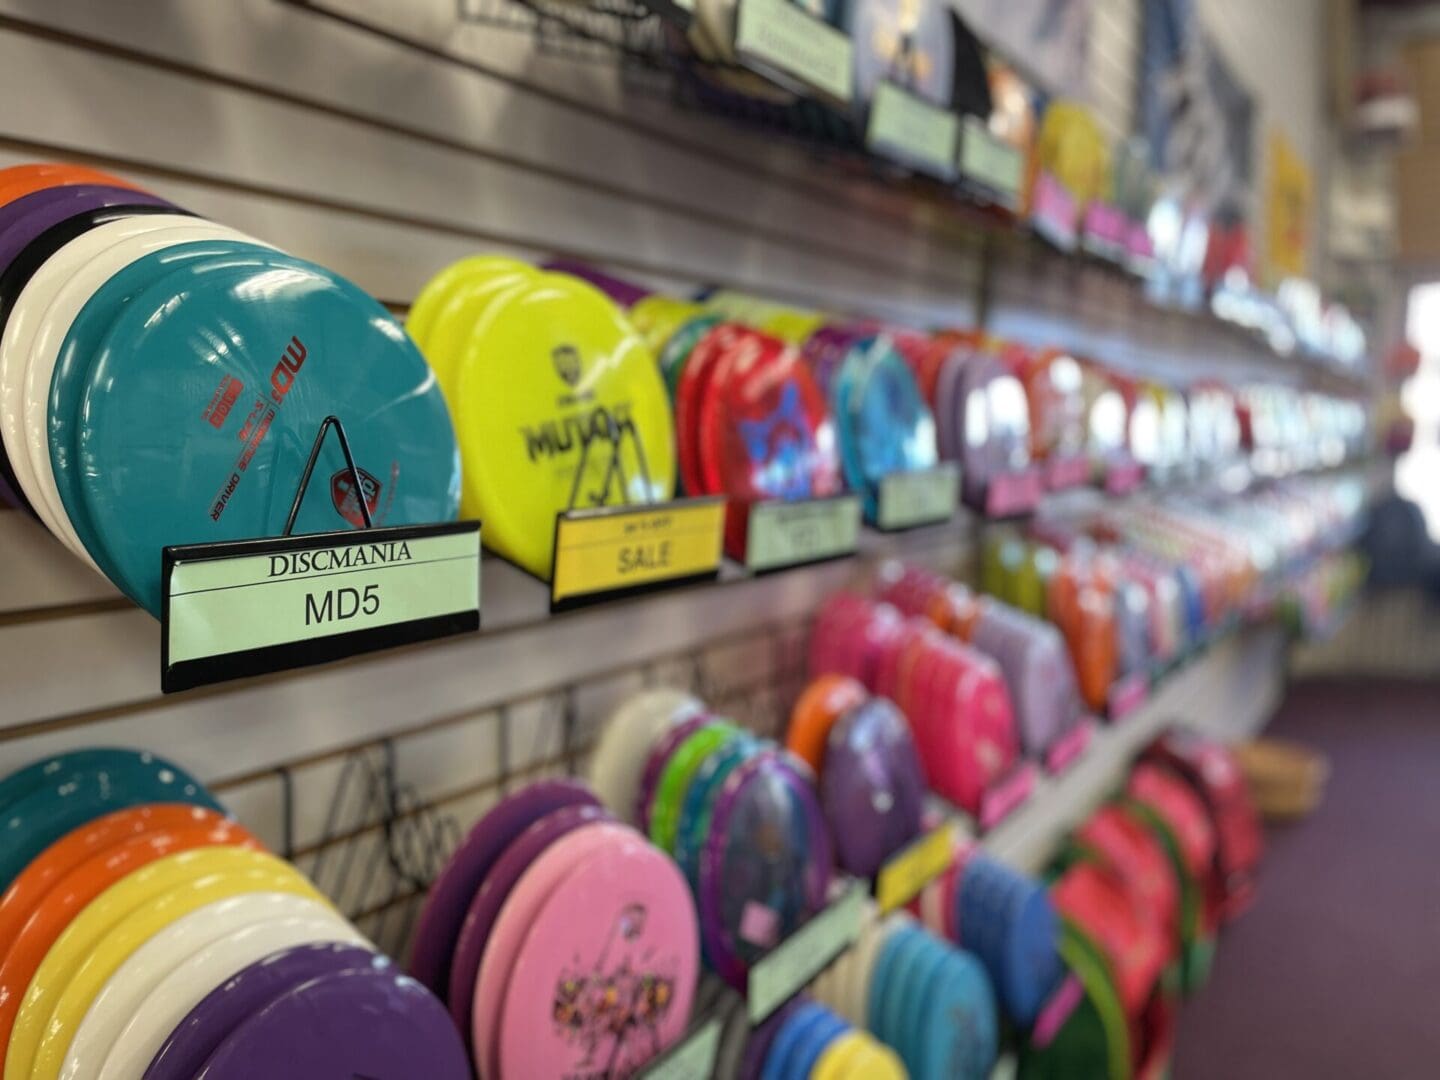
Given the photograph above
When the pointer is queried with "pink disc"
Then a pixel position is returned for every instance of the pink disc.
(605, 977)
(530, 892)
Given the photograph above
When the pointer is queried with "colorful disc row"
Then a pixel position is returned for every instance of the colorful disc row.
(954, 697)
(146, 936)
(558, 937)
(808, 1041)
(739, 814)
(930, 1001)
(556, 400)
(872, 785)
(163, 379)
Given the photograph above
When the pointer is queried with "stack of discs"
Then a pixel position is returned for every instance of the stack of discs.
(805, 1040)
(954, 697)
(1007, 920)
(740, 816)
(556, 400)
(882, 421)
(558, 937)
(919, 994)
(1038, 670)
(751, 424)
(1103, 918)
(115, 305)
(1215, 776)
(988, 418)
(871, 782)
(1170, 806)
(145, 934)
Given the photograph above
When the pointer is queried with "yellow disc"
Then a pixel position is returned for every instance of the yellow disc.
(100, 918)
(437, 290)
(792, 326)
(840, 1056)
(552, 375)
(458, 316)
(267, 874)
(658, 317)
(875, 1061)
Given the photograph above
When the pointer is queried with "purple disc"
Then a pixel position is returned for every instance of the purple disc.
(655, 762)
(947, 402)
(625, 293)
(229, 1005)
(27, 217)
(485, 906)
(826, 349)
(438, 929)
(765, 868)
(871, 786)
(365, 1023)
(1037, 670)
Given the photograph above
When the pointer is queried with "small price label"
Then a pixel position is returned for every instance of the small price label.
(1123, 477)
(692, 1058)
(904, 875)
(1007, 795)
(919, 497)
(1013, 493)
(1053, 211)
(1063, 1002)
(783, 36)
(912, 131)
(990, 161)
(1063, 473)
(250, 607)
(616, 551)
(785, 971)
(781, 534)
(1069, 748)
(1105, 227)
(1127, 694)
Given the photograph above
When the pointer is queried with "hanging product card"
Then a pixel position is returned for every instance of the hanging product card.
(990, 163)
(249, 607)
(791, 965)
(781, 534)
(914, 867)
(692, 1058)
(913, 132)
(609, 552)
(918, 497)
(782, 37)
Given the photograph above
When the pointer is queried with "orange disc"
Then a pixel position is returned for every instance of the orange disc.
(26, 891)
(21, 180)
(824, 701)
(83, 884)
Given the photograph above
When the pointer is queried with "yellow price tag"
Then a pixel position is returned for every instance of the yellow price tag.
(916, 866)
(618, 550)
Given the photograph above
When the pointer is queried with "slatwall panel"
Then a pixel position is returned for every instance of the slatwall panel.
(386, 139)
(1114, 49)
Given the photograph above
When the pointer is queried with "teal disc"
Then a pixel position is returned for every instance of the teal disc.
(88, 785)
(205, 398)
(82, 342)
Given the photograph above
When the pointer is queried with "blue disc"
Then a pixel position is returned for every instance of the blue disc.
(699, 799)
(894, 1018)
(102, 784)
(48, 772)
(1032, 965)
(959, 1030)
(813, 1043)
(891, 428)
(789, 1037)
(915, 1006)
(208, 392)
(72, 367)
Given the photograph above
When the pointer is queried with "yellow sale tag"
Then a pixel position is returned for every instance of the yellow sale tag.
(916, 866)
(618, 550)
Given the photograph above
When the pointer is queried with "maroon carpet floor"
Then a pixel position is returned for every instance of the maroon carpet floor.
(1335, 972)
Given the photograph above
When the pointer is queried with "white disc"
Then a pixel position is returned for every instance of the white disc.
(619, 761)
(191, 981)
(20, 329)
(872, 940)
(132, 982)
(69, 279)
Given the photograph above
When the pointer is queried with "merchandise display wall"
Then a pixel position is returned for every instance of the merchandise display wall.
(396, 154)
